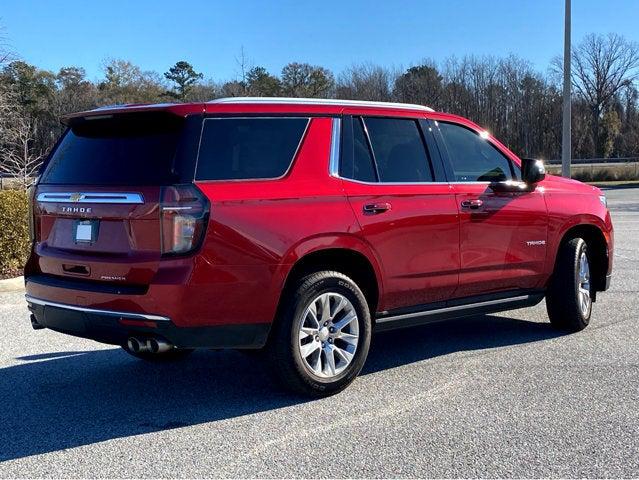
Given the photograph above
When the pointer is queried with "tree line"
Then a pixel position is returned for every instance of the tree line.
(506, 95)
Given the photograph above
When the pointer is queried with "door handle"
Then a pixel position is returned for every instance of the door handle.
(472, 204)
(375, 208)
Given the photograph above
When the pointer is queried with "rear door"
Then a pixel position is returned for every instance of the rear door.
(503, 230)
(407, 213)
(97, 202)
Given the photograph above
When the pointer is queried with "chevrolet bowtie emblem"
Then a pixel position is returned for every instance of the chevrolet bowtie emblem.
(76, 197)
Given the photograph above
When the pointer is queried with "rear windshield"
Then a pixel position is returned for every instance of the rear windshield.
(133, 149)
(248, 148)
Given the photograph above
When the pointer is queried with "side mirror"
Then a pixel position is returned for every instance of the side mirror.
(532, 171)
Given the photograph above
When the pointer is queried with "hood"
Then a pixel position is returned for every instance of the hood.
(575, 186)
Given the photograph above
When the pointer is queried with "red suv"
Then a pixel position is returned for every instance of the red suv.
(299, 227)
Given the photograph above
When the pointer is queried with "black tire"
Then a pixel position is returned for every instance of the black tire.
(284, 351)
(173, 355)
(562, 298)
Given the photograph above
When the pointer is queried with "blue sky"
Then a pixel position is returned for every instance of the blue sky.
(335, 34)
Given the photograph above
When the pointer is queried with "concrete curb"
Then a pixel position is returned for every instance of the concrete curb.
(12, 284)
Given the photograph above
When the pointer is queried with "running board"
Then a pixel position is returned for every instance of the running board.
(455, 309)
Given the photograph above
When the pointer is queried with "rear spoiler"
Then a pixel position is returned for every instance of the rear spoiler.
(178, 109)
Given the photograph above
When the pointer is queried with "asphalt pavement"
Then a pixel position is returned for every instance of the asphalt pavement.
(489, 396)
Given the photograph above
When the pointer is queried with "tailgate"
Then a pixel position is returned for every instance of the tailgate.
(110, 235)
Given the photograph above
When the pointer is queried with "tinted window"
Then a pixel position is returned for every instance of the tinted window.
(474, 158)
(399, 150)
(363, 167)
(247, 148)
(134, 149)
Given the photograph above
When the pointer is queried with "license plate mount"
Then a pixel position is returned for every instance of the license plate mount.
(85, 231)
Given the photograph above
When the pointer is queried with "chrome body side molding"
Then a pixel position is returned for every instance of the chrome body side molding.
(457, 308)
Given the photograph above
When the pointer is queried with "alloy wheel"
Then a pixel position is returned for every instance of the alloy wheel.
(584, 285)
(328, 334)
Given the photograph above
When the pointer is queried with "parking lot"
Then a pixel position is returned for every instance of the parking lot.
(497, 395)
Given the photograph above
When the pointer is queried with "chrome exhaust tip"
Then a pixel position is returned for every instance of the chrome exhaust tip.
(156, 345)
(136, 345)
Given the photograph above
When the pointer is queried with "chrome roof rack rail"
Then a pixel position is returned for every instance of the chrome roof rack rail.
(317, 101)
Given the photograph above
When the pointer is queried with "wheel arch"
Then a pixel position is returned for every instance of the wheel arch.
(347, 254)
(352, 263)
(593, 234)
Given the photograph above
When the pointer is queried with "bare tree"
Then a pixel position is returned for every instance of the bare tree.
(19, 158)
(602, 67)
(73, 92)
(233, 88)
(204, 91)
(125, 82)
(365, 82)
(5, 51)
(244, 66)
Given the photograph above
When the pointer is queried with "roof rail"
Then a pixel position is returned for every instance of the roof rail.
(320, 101)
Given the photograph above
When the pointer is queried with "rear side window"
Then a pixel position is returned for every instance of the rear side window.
(473, 158)
(248, 148)
(399, 150)
(130, 149)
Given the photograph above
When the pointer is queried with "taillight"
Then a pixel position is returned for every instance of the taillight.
(184, 212)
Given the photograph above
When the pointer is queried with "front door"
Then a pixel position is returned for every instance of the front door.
(503, 233)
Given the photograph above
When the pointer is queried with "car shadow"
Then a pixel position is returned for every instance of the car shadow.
(63, 400)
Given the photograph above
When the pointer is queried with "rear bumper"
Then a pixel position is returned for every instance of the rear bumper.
(114, 327)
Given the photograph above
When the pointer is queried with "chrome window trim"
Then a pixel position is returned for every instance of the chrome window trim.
(391, 183)
(143, 316)
(259, 179)
(346, 179)
(337, 175)
(90, 197)
(336, 139)
(318, 101)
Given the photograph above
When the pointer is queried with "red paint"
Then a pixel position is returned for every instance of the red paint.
(495, 254)
(424, 248)
(416, 241)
